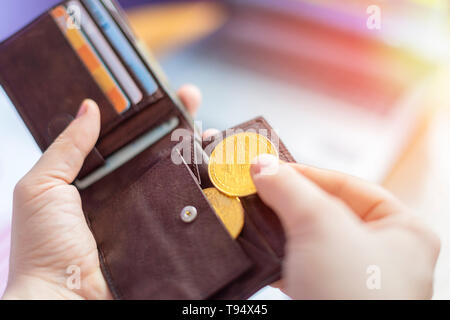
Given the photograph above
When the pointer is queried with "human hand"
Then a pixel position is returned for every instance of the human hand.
(342, 233)
(49, 231)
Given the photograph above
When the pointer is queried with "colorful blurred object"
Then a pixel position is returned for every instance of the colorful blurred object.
(363, 70)
(177, 19)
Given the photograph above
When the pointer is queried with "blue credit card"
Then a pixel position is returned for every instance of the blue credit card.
(121, 44)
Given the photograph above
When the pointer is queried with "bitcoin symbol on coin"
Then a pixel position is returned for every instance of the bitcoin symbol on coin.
(229, 164)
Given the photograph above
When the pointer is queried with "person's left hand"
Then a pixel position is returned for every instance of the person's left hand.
(49, 232)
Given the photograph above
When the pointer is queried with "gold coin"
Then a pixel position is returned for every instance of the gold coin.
(229, 210)
(229, 164)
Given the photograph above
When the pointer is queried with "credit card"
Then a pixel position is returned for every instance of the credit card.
(122, 156)
(90, 59)
(105, 51)
(120, 16)
(121, 44)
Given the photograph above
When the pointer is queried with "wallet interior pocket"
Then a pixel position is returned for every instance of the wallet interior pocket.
(149, 252)
(40, 96)
(47, 79)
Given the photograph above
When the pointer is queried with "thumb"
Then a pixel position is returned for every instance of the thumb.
(63, 160)
(300, 204)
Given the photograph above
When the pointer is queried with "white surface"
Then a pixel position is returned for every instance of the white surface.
(432, 200)
(18, 153)
(423, 184)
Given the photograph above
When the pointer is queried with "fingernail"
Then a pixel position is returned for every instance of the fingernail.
(265, 164)
(209, 134)
(84, 107)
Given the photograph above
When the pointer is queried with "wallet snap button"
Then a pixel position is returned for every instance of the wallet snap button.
(188, 214)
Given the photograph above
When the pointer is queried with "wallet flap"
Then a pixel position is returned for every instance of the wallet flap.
(149, 252)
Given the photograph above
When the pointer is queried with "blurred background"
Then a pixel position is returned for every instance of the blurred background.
(372, 102)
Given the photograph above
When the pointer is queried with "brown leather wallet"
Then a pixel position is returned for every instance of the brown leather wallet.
(146, 251)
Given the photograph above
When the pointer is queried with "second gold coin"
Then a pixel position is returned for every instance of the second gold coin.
(229, 210)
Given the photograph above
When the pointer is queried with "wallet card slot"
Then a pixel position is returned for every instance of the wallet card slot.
(134, 54)
(149, 252)
(127, 153)
(133, 127)
(122, 45)
(123, 176)
(120, 56)
(103, 47)
(46, 79)
(91, 59)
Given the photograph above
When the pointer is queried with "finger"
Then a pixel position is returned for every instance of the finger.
(209, 133)
(369, 201)
(301, 205)
(63, 160)
(191, 97)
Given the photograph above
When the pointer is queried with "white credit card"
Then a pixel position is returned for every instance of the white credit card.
(128, 152)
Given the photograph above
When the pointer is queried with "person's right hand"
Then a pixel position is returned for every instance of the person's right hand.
(346, 238)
